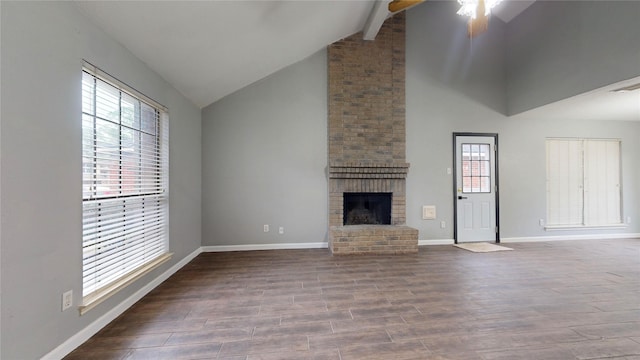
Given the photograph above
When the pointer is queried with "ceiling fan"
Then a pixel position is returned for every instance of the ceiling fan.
(477, 10)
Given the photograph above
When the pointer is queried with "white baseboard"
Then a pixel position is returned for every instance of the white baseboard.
(83, 335)
(570, 237)
(435, 242)
(289, 246)
(251, 247)
(539, 238)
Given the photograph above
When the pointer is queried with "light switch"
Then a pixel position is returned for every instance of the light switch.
(428, 212)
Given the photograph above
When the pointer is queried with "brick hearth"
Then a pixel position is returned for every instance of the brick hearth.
(376, 239)
(367, 138)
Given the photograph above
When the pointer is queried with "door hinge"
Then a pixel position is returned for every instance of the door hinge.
(496, 229)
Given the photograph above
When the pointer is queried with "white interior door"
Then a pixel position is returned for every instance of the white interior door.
(475, 188)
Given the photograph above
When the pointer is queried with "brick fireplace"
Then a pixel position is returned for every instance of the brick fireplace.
(367, 138)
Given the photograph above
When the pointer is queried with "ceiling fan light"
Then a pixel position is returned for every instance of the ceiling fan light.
(469, 7)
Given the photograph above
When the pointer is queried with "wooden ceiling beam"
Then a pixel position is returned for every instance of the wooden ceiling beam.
(399, 5)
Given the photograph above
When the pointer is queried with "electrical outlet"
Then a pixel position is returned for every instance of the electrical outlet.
(628, 219)
(67, 300)
(541, 222)
(281, 230)
(443, 224)
(265, 228)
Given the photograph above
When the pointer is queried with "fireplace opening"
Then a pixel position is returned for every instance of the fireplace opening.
(367, 208)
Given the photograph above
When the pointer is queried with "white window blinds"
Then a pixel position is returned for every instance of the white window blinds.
(583, 182)
(125, 181)
(602, 182)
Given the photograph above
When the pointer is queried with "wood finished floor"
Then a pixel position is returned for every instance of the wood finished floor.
(559, 300)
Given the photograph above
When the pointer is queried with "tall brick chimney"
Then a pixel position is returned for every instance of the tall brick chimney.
(367, 137)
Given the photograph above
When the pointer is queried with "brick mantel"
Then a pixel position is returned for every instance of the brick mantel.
(368, 171)
(367, 137)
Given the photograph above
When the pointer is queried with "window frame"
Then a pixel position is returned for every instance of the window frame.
(128, 222)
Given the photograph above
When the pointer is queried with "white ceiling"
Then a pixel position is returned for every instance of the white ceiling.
(209, 49)
(599, 104)
(509, 9)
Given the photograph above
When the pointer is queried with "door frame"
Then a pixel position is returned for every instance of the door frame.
(455, 180)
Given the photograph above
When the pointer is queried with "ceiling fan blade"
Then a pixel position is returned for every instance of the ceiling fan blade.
(399, 5)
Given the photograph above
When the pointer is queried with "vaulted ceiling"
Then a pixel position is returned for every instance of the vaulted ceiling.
(210, 49)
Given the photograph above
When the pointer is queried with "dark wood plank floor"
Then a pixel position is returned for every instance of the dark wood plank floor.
(559, 300)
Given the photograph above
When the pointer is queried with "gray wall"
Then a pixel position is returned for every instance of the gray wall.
(437, 106)
(263, 150)
(264, 147)
(558, 49)
(523, 170)
(440, 54)
(43, 44)
(265, 154)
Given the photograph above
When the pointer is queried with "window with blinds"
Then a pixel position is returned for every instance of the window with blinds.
(583, 183)
(124, 184)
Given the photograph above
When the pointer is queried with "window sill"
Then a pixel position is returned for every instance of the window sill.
(584, 227)
(98, 296)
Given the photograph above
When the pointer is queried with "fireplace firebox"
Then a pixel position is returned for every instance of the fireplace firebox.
(367, 208)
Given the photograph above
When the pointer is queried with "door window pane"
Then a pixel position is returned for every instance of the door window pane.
(476, 168)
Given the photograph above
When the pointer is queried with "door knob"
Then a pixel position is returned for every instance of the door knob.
(461, 197)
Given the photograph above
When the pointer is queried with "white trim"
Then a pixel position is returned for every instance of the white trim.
(83, 335)
(585, 227)
(435, 242)
(570, 237)
(378, 15)
(99, 296)
(251, 247)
